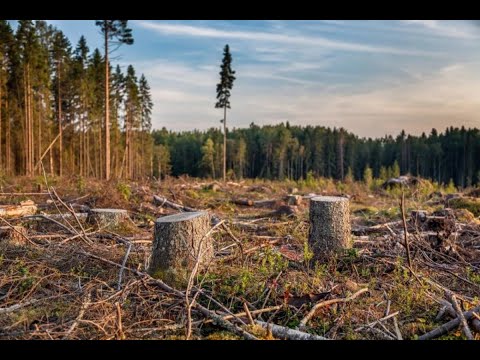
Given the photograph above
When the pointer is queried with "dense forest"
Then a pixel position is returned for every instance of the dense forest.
(53, 116)
(284, 151)
(52, 105)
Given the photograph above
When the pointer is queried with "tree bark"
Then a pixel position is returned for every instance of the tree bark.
(107, 109)
(329, 225)
(180, 241)
(225, 143)
(26, 208)
(107, 218)
(60, 140)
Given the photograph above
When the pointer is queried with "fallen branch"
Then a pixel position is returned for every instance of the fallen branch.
(463, 321)
(287, 333)
(449, 326)
(161, 201)
(84, 307)
(216, 318)
(254, 312)
(312, 312)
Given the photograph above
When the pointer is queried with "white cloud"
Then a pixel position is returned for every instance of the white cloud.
(447, 28)
(259, 36)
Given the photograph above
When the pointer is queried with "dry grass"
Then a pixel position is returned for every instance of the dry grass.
(67, 288)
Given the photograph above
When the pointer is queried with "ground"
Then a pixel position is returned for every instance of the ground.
(69, 282)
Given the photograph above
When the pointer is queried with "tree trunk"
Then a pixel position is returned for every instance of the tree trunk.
(1, 162)
(329, 225)
(7, 140)
(107, 110)
(180, 241)
(225, 143)
(60, 140)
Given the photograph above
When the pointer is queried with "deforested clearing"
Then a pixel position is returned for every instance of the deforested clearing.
(63, 276)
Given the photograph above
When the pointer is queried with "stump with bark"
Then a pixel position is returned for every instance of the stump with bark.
(180, 241)
(13, 235)
(107, 218)
(294, 200)
(329, 225)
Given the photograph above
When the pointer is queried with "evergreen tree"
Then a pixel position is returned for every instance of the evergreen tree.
(368, 176)
(208, 153)
(223, 98)
(118, 32)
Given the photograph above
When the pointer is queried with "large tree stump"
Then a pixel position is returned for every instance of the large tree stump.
(179, 241)
(329, 225)
(107, 218)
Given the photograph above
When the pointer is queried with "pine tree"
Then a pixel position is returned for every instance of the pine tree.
(131, 119)
(118, 30)
(208, 153)
(223, 98)
(146, 106)
(6, 42)
(368, 176)
(60, 54)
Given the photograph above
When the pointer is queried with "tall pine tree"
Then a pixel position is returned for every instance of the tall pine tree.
(113, 31)
(223, 98)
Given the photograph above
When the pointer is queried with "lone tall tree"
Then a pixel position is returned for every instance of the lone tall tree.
(118, 30)
(223, 96)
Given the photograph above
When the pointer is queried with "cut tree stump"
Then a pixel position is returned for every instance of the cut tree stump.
(107, 218)
(329, 225)
(179, 240)
(14, 236)
(25, 208)
(294, 200)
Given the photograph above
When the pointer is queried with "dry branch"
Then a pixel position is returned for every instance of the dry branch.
(313, 311)
(449, 326)
(287, 333)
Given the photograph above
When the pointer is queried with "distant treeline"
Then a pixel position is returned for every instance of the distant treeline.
(284, 151)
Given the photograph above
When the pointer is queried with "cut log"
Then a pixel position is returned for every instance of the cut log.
(329, 225)
(25, 208)
(161, 201)
(243, 202)
(107, 218)
(14, 235)
(180, 241)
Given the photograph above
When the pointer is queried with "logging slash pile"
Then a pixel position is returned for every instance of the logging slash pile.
(76, 261)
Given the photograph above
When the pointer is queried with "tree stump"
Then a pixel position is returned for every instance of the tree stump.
(179, 240)
(107, 218)
(294, 200)
(329, 225)
(13, 236)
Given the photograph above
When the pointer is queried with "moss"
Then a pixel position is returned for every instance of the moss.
(177, 278)
(222, 335)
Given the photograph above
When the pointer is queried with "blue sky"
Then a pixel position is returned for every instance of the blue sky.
(370, 77)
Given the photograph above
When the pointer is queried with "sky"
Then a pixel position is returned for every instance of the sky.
(370, 77)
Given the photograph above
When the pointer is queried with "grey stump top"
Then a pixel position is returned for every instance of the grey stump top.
(180, 217)
(329, 198)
